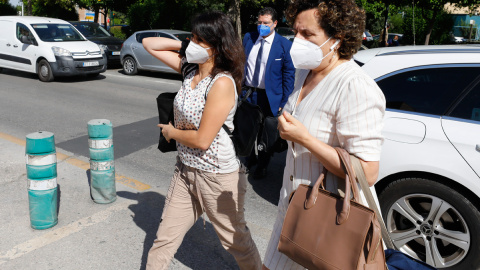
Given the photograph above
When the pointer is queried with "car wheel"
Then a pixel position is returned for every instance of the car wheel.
(44, 71)
(129, 66)
(432, 222)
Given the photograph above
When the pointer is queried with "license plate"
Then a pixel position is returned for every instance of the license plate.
(90, 64)
(115, 53)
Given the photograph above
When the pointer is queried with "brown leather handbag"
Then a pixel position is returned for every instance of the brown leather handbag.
(323, 230)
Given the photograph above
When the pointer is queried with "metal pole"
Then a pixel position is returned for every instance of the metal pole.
(413, 24)
(22, 9)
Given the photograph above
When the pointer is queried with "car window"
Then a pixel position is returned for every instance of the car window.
(469, 107)
(22, 30)
(141, 36)
(91, 30)
(57, 32)
(430, 91)
(160, 34)
(183, 37)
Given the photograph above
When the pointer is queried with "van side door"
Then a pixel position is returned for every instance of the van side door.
(26, 51)
(7, 34)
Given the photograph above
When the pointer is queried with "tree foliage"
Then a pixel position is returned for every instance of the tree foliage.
(61, 9)
(7, 9)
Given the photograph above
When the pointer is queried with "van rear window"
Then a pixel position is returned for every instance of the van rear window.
(51, 32)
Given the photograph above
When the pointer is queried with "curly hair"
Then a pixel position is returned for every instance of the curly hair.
(340, 19)
(217, 29)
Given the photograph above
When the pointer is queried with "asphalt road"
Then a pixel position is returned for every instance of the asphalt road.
(117, 235)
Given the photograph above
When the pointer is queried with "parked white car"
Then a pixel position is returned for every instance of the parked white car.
(429, 185)
(48, 47)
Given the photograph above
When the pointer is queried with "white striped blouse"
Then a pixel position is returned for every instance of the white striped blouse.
(345, 109)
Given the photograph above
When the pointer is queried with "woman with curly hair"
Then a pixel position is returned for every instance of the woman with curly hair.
(334, 104)
(207, 178)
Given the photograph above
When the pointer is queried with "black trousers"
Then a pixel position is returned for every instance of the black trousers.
(263, 158)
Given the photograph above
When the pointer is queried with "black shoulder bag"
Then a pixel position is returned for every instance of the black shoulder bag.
(248, 121)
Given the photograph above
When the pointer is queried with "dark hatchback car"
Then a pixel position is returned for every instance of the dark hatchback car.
(97, 34)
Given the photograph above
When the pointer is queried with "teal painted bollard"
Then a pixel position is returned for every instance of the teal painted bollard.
(41, 159)
(102, 169)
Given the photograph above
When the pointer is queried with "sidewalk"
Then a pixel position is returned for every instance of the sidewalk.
(90, 235)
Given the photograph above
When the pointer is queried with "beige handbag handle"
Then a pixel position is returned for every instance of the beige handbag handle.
(360, 175)
(350, 185)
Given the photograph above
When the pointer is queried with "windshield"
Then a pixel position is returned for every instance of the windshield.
(57, 32)
(91, 30)
(183, 37)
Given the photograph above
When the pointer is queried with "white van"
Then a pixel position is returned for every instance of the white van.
(48, 47)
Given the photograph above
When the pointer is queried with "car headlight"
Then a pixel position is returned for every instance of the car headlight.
(57, 51)
(103, 48)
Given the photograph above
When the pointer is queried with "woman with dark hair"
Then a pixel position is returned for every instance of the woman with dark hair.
(208, 177)
(334, 103)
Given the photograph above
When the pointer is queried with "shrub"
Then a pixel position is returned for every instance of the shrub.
(117, 31)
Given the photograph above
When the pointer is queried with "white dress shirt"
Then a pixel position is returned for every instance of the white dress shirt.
(252, 58)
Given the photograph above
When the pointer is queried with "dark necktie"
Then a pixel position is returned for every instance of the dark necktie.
(258, 63)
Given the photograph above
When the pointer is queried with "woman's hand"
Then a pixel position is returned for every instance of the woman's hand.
(166, 130)
(291, 129)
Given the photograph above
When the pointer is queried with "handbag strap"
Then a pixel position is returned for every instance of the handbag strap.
(360, 174)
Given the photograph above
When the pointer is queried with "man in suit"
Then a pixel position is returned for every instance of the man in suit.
(269, 72)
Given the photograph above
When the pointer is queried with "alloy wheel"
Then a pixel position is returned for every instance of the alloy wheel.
(429, 229)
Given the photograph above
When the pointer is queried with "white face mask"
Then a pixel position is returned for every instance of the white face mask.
(308, 55)
(196, 54)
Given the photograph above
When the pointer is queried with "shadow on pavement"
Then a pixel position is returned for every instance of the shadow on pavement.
(127, 139)
(159, 75)
(200, 249)
(269, 187)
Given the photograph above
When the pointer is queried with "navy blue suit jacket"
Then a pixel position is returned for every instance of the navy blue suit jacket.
(279, 72)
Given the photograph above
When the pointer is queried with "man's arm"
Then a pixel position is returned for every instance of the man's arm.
(288, 73)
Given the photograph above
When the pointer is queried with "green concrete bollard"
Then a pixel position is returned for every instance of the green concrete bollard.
(41, 161)
(102, 169)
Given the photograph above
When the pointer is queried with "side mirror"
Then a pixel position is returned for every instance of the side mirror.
(26, 40)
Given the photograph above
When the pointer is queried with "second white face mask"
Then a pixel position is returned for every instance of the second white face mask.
(196, 54)
(308, 55)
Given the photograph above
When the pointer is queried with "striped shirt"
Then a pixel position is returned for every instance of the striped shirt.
(345, 110)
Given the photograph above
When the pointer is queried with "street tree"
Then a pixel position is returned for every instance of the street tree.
(430, 9)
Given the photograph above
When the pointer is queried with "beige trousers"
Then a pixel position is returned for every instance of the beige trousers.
(222, 197)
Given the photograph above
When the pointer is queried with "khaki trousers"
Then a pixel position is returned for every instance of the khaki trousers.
(222, 198)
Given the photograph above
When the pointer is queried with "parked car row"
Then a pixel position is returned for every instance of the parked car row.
(48, 47)
(53, 47)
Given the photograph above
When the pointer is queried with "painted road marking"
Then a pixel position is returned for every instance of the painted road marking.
(127, 181)
(58, 234)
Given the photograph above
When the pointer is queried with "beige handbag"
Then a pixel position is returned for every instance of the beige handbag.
(322, 230)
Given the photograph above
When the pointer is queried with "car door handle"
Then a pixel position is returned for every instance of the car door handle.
(134, 48)
(15, 46)
(477, 148)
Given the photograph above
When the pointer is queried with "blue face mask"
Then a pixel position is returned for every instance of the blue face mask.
(263, 30)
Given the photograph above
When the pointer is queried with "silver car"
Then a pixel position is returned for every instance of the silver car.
(134, 57)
